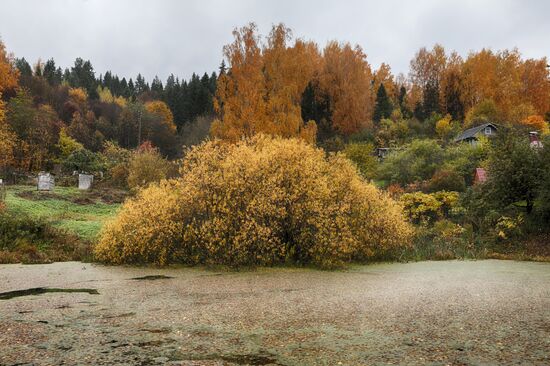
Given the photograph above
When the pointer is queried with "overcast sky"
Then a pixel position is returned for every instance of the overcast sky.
(163, 36)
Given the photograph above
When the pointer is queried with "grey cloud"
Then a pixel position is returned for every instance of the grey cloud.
(181, 37)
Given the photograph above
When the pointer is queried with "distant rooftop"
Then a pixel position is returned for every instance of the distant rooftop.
(471, 132)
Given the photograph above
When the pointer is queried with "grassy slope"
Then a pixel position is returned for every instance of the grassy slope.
(85, 220)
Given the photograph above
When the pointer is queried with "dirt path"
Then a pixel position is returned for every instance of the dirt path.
(485, 312)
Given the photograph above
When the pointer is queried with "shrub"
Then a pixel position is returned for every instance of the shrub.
(446, 180)
(415, 162)
(2, 195)
(422, 208)
(362, 155)
(146, 166)
(442, 241)
(82, 160)
(23, 239)
(509, 227)
(116, 160)
(464, 158)
(262, 201)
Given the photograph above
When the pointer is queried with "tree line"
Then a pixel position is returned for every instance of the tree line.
(289, 87)
(275, 84)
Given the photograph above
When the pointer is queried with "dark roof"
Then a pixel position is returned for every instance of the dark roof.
(470, 133)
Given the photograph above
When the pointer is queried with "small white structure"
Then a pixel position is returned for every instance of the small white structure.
(85, 181)
(534, 141)
(46, 182)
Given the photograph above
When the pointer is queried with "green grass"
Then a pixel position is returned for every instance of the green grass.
(57, 208)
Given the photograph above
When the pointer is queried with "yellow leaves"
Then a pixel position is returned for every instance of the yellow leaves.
(78, 95)
(443, 127)
(67, 145)
(106, 96)
(509, 227)
(145, 230)
(261, 201)
(423, 208)
(145, 167)
(8, 141)
(161, 109)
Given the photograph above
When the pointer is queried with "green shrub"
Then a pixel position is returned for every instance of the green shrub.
(442, 241)
(465, 158)
(362, 154)
(415, 162)
(116, 160)
(82, 160)
(263, 201)
(446, 180)
(27, 240)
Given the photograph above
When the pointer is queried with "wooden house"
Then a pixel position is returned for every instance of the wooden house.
(472, 135)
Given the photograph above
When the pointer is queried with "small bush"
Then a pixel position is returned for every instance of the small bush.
(362, 154)
(26, 240)
(146, 166)
(263, 201)
(442, 241)
(446, 180)
(424, 209)
(116, 160)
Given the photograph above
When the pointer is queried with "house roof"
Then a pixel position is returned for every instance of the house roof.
(471, 132)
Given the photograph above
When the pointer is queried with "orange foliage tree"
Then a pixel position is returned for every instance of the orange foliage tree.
(518, 88)
(384, 76)
(536, 122)
(346, 77)
(8, 140)
(428, 66)
(8, 73)
(262, 91)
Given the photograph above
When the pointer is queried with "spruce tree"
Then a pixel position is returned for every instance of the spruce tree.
(383, 107)
(453, 102)
(431, 99)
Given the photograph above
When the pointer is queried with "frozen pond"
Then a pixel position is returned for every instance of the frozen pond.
(454, 312)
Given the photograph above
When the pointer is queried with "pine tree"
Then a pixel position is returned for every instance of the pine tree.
(383, 107)
(418, 112)
(51, 73)
(402, 100)
(316, 107)
(140, 85)
(453, 100)
(156, 86)
(222, 68)
(431, 99)
(82, 76)
(23, 67)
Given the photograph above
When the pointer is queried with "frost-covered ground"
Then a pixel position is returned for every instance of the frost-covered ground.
(455, 312)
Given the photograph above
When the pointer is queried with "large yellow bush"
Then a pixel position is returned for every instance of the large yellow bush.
(262, 201)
